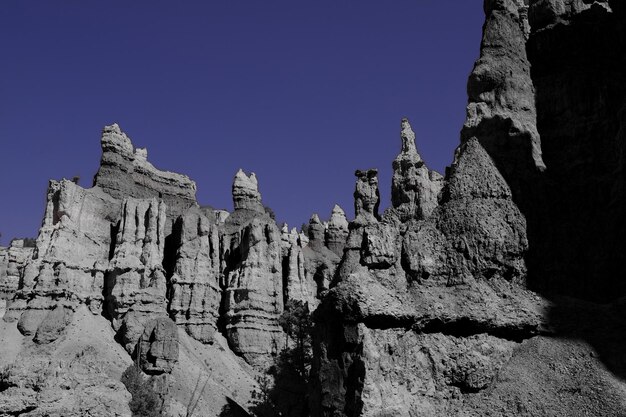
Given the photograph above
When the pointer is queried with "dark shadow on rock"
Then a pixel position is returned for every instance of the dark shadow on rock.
(232, 409)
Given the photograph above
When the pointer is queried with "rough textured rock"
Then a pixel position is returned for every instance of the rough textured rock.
(125, 172)
(501, 112)
(195, 294)
(460, 272)
(337, 231)
(135, 280)
(158, 346)
(366, 196)
(246, 192)
(414, 188)
(71, 254)
(53, 324)
(252, 277)
(12, 262)
(478, 229)
(576, 220)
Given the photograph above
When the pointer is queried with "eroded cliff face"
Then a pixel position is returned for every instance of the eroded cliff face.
(438, 306)
(170, 277)
(432, 312)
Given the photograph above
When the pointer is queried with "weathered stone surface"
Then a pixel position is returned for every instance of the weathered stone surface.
(71, 254)
(501, 112)
(251, 254)
(459, 272)
(337, 231)
(12, 262)
(246, 192)
(135, 279)
(158, 346)
(195, 296)
(414, 188)
(125, 172)
(379, 245)
(366, 196)
(53, 325)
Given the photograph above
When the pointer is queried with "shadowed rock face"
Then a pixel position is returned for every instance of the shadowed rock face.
(576, 223)
(425, 310)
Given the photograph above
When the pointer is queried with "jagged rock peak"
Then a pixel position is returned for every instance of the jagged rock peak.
(246, 192)
(366, 196)
(125, 172)
(408, 139)
(316, 229)
(338, 218)
(113, 139)
(414, 188)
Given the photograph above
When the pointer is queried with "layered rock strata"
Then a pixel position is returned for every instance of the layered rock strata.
(448, 286)
(12, 261)
(125, 172)
(195, 292)
(252, 280)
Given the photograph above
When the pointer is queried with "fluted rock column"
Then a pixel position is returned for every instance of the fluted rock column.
(251, 276)
(135, 284)
(195, 293)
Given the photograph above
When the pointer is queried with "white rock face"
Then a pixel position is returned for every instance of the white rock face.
(135, 280)
(196, 294)
(12, 261)
(71, 255)
(246, 192)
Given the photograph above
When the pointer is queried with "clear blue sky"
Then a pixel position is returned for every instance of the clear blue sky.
(301, 92)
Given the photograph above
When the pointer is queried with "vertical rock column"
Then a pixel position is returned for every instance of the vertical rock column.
(195, 292)
(414, 188)
(135, 284)
(252, 276)
(501, 112)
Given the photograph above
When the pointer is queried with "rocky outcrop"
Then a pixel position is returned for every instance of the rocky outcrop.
(71, 255)
(134, 284)
(252, 276)
(414, 188)
(195, 293)
(576, 221)
(501, 112)
(366, 197)
(477, 232)
(337, 231)
(158, 346)
(246, 194)
(125, 172)
(446, 286)
(12, 262)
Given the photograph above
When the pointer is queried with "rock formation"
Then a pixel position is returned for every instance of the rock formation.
(125, 172)
(337, 231)
(437, 307)
(195, 293)
(252, 277)
(414, 188)
(12, 261)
